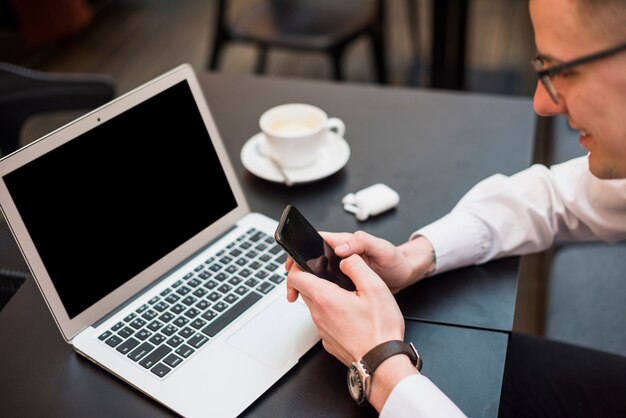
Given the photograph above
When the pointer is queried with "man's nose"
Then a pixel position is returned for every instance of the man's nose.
(543, 104)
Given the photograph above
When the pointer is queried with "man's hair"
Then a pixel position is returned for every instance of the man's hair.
(606, 17)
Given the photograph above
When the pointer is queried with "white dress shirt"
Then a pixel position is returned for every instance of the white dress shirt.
(502, 216)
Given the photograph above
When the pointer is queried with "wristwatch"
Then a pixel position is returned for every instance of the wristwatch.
(361, 371)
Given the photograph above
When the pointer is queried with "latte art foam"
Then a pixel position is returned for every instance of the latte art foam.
(293, 127)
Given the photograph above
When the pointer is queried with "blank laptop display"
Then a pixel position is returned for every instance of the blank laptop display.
(138, 234)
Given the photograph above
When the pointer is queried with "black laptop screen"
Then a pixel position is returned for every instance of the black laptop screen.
(108, 204)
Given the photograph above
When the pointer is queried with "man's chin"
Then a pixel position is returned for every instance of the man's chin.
(605, 171)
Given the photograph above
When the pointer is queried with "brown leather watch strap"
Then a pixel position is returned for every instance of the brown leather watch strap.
(383, 351)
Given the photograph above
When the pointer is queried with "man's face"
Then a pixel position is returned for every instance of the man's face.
(592, 96)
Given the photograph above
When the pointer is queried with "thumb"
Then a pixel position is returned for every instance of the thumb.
(364, 278)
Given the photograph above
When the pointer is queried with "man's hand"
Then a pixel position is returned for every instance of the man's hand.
(352, 323)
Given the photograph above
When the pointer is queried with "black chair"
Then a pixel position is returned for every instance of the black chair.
(25, 93)
(327, 26)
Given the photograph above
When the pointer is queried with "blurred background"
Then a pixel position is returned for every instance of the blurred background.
(135, 40)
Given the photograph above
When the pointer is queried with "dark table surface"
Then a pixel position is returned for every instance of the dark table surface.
(431, 148)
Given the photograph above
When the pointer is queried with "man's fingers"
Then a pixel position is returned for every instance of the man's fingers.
(359, 243)
(362, 275)
(335, 238)
(288, 263)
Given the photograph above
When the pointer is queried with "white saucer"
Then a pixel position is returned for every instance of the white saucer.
(331, 158)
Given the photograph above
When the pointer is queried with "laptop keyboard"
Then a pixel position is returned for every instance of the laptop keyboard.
(181, 319)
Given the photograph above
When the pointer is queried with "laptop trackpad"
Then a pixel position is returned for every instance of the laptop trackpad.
(280, 334)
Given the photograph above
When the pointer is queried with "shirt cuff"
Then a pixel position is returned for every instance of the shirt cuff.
(458, 238)
(416, 396)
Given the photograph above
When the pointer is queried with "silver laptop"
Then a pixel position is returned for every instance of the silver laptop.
(137, 232)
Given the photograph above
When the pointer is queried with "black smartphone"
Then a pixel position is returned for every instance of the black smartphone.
(308, 249)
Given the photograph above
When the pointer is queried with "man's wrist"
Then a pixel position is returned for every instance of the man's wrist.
(421, 256)
(387, 376)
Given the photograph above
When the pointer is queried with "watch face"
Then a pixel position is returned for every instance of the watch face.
(355, 385)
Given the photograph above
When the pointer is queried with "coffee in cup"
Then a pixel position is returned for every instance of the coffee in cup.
(295, 133)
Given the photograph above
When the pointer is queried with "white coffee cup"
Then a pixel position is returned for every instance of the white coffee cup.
(296, 132)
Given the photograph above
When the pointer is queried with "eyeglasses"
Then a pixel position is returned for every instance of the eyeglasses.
(546, 74)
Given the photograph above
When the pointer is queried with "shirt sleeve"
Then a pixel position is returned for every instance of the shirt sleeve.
(415, 397)
(528, 212)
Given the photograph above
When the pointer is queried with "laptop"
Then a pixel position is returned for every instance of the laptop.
(135, 227)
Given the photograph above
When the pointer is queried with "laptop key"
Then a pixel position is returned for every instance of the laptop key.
(276, 278)
(198, 323)
(210, 284)
(161, 306)
(231, 298)
(184, 350)
(139, 352)
(258, 236)
(189, 300)
(155, 326)
(265, 287)
(125, 332)
(221, 276)
(113, 341)
(194, 282)
(138, 323)
(169, 330)
(209, 315)
(104, 335)
(117, 326)
(197, 340)
(152, 358)
(172, 298)
(149, 315)
(183, 290)
(220, 306)
(241, 290)
(275, 249)
(180, 321)
(186, 332)
(175, 341)
(203, 305)
(143, 334)
(178, 308)
(192, 313)
(166, 317)
(214, 296)
(130, 317)
(157, 339)
(127, 345)
(230, 315)
(172, 360)
(160, 370)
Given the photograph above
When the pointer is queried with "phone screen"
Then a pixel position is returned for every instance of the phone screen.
(308, 249)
